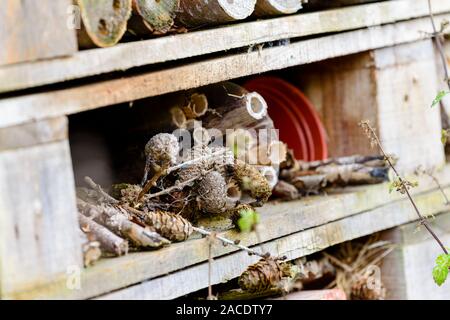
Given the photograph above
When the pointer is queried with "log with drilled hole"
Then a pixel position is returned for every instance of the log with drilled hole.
(104, 22)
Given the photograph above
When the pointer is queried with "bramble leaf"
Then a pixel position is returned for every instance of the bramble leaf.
(440, 271)
(441, 94)
(248, 220)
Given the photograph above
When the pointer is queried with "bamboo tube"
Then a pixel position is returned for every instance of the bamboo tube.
(153, 16)
(104, 22)
(276, 7)
(194, 13)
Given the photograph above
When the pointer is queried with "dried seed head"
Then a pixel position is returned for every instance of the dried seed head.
(162, 149)
(212, 193)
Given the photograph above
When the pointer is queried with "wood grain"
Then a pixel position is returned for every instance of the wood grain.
(39, 235)
(27, 30)
(128, 55)
(87, 97)
(312, 215)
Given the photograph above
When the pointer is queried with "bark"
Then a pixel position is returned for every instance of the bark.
(117, 220)
(104, 22)
(285, 191)
(109, 242)
(91, 249)
(195, 13)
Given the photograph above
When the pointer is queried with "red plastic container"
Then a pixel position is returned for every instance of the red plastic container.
(294, 115)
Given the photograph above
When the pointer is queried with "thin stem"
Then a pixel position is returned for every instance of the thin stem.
(422, 219)
(210, 259)
(230, 242)
(436, 181)
(439, 45)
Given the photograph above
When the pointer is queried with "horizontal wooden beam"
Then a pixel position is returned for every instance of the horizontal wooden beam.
(25, 108)
(306, 214)
(293, 246)
(34, 133)
(134, 54)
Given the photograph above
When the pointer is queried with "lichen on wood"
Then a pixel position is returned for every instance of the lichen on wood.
(104, 22)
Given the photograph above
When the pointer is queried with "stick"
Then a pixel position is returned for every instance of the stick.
(117, 221)
(374, 138)
(230, 242)
(109, 242)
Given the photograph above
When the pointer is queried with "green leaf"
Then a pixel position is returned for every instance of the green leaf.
(248, 220)
(440, 271)
(441, 94)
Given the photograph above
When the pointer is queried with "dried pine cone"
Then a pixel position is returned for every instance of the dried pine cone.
(169, 225)
(363, 289)
(263, 275)
(252, 181)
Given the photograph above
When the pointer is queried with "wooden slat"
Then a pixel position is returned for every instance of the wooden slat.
(39, 239)
(293, 246)
(135, 54)
(406, 272)
(31, 30)
(33, 133)
(112, 274)
(86, 97)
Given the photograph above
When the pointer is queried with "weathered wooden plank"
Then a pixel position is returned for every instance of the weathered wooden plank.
(112, 274)
(39, 237)
(399, 84)
(86, 97)
(27, 31)
(406, 272)
(129, 55)
(33, 133)
(293, 246)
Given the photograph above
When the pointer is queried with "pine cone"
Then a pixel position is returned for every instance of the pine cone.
(169, 225)
(252, 181)
(263, 275)
(362, 291)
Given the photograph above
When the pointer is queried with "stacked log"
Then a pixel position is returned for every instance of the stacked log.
(195, 13)
(104, 22)
(155, 17)
(277, 7)
(312, 177)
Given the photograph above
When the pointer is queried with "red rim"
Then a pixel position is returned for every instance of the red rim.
(281, 103)
(301, 105)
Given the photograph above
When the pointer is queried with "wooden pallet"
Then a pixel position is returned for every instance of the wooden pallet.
(39, 248)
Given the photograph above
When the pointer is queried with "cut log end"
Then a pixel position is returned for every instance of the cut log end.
(178, 117)
(157, 15)
(270, 174)
(256, 105)
(104, 22)
(238, 9)
(277, 7)
(199, 104)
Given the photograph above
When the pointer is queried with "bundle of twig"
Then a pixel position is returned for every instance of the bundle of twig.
(312, 177)
(357, 264)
